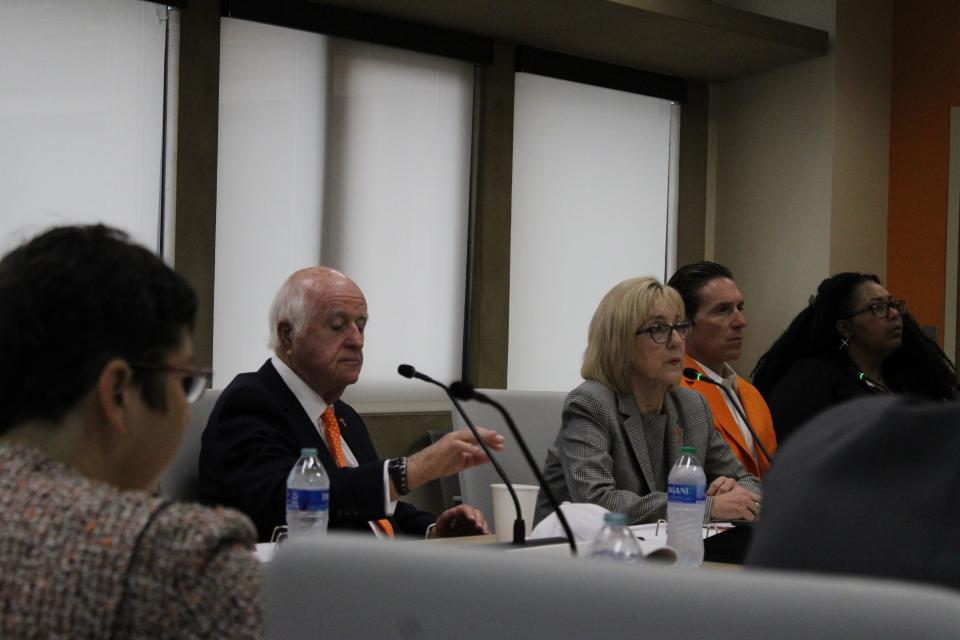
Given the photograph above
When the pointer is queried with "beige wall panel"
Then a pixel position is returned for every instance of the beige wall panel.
(861, 137)
(691, 186)
(774, 175)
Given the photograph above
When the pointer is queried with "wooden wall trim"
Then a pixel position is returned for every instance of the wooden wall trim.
(196, 165)
(485, 364)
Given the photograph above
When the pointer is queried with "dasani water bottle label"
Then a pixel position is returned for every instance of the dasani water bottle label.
(685, 493)
(308, 500)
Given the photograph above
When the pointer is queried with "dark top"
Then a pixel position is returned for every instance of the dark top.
(254, 437)
(868, 487)
(812, 385)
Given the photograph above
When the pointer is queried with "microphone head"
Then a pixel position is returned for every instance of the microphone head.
(406, 370)
(462, 390)
(692, 374)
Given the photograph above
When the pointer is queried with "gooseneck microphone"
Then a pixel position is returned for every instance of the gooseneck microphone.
(465, 391)
(519, 526)
(692, 374)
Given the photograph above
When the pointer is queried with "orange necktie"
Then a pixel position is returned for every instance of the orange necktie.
(332, 428)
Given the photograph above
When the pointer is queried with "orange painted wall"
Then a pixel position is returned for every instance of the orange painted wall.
(925, 84)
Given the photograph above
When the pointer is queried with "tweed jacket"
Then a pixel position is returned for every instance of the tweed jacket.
(601, 454)
(757, 413)
(82, 559)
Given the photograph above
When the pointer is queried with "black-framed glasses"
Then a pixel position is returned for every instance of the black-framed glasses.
(194, 379)
(660, 332)
(881, 309)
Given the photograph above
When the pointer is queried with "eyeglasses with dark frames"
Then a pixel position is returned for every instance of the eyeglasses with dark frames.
(194, 379)
(881, 309)
(660, 332)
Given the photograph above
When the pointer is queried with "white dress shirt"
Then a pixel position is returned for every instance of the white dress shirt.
(314, 405)
(729, 380)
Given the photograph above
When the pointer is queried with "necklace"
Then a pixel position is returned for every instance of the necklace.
(871, 383)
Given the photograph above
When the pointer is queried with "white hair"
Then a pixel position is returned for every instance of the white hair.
(289, 305)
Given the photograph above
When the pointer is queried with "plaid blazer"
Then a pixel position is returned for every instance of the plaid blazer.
(601, 454)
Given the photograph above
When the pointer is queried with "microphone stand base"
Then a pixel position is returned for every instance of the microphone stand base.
(539, 542)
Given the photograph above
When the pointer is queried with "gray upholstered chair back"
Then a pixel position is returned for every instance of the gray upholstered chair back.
(181, 479)
(537, 414)
(359, 587)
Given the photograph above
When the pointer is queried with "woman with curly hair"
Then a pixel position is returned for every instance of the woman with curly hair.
(853, 339)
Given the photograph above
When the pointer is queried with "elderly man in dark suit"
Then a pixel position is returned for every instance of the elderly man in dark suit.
(262, 420)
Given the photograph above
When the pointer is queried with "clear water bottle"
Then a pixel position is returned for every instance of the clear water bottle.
(615, 541)
(308, 496)
(686, 502)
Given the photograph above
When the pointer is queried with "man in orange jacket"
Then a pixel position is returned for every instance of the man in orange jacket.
(715, 305)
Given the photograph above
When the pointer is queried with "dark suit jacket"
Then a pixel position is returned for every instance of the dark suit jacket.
(252, 441)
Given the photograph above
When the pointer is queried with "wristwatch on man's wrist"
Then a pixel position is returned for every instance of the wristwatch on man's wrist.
(397, 469)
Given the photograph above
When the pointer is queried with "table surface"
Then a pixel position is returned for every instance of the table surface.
(652, 536)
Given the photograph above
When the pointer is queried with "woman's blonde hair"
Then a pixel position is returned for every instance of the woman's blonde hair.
(614, 325)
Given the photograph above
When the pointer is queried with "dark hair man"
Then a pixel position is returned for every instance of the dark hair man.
(263, 419)
(715, 305)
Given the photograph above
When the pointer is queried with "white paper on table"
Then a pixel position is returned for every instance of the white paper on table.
(264, 551)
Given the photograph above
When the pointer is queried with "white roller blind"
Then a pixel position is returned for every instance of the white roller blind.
(397, 215)
(81, 116)
(357, 157)
(591, 207)
(270, 167)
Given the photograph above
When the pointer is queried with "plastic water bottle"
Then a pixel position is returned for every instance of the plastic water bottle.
(308, 496)
(686, 502)
(615, 541)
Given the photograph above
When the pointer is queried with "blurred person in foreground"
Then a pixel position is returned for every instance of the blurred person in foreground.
(263, 419)
(622, 429)
(888, 465)
(853, 339)
(97, 379)
(714, 305)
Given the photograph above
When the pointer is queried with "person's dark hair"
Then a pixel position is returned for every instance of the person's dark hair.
(919, 366)
(73, 298)
(690, 278)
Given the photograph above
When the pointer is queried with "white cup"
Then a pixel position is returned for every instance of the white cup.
(504, 512)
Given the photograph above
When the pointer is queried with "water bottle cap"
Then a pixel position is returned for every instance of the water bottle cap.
(615, 518)
(308, 452)
(688, 451)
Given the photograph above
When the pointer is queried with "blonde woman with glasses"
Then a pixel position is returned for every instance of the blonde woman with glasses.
(623, 427)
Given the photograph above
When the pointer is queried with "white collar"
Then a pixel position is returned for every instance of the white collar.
(728, 375)
(311, 401)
